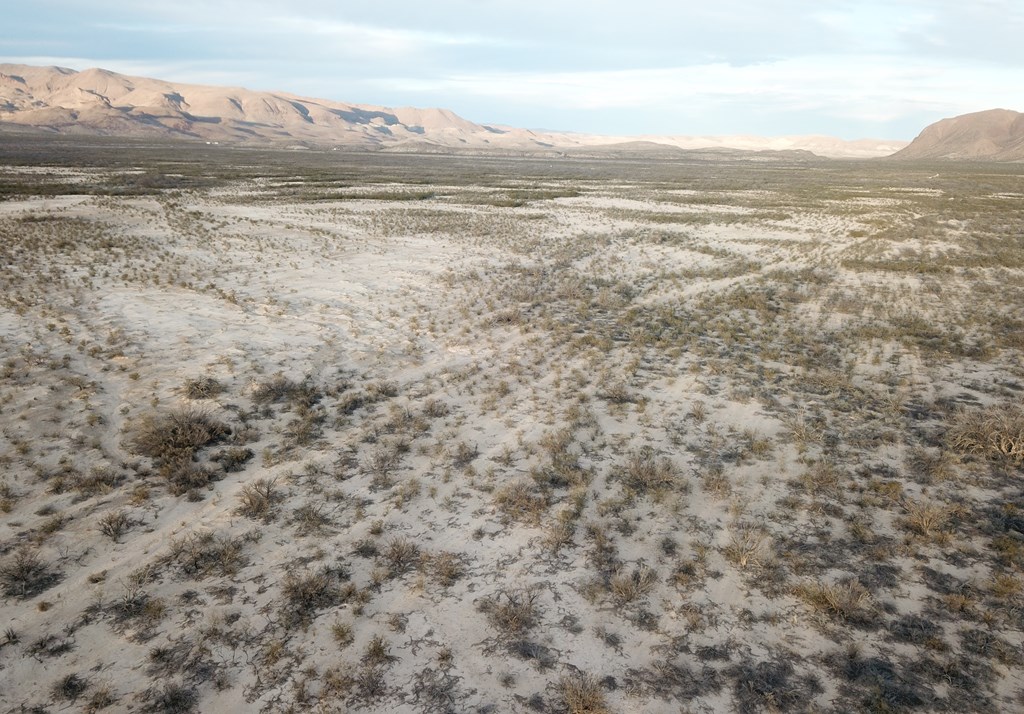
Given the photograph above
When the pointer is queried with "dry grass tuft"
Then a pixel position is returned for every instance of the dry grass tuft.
(645, 473)
(993, 432)
(847, 600)
(581, 693)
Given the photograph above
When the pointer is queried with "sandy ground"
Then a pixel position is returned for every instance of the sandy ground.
(631, 447)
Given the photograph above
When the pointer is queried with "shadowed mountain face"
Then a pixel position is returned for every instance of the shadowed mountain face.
(97, 101)
(993, 135)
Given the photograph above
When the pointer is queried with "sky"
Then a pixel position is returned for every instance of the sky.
(718, 67)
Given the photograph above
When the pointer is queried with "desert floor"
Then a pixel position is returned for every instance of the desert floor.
(286, 431)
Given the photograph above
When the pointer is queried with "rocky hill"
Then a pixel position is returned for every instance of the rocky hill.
(993, 135)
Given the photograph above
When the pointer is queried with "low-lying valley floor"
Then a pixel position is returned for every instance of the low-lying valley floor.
(299, 431)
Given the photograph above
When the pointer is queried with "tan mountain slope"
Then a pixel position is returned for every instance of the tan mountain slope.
(993, 135)
(98, 101)
(104, 102)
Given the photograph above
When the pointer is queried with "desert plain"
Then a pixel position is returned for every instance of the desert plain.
(340, 431)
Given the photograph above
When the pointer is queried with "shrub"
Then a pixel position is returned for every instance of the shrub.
(627, 586)
(256, 500)
(435, 408)
(643, 473)
(113, 525)
(994, 432)
(581, 693)
(173, 699)
(926, 518)
(464, 454)
(305, 593)
(846, 600)
(177, 436)
(234, 458)
(279, 389)
(513, 612)
(401, 554)
(25, 574)
(69, 688)
(204, 553)
(520, 501)
(202, 388)
(446, 568)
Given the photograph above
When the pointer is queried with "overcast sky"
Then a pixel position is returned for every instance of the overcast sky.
(849, 69)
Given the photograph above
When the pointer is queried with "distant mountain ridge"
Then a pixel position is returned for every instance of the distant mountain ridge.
(101, 102)
(992, 135)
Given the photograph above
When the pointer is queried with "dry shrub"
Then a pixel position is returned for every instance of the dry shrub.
(69, 688)
(581, 693)
(846, 600)
(176, 436)
(644, 473)
(626, 586)
(401, 554)
(617, 393)
(926, 518)
(513, 612)
(25, 574)
(435, 408)
(993, 432)
(172, 441)
(202, 388)
(521, 501)
(234, 458)
(446, 568)
(114, 524)
(306, 593)
(281, 389)
(747, 546)
(204, 553)
(256, 500)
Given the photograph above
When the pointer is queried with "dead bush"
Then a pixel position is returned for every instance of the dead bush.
(847, 600)
(202, 388)
(205, 553)
(645, 473)
(401, 554)
(113, 525)
(282, 389)
(521, 501)
(26, 574)
(513, 612)
(256, 500)
(305, 593)
(993, 432)
(581, 693)
(176, 436)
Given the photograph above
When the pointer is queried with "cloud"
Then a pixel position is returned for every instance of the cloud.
(597, 65)
(870, 87)
(382, 39)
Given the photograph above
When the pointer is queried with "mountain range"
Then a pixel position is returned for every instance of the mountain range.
(98, 101)
(101, 102)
